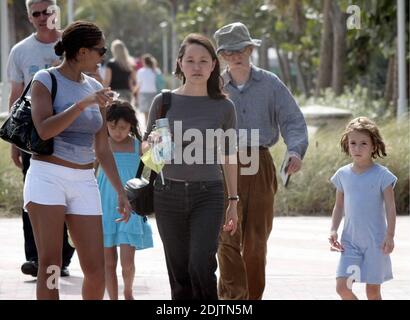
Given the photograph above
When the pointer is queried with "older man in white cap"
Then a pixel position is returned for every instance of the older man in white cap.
(262, 102)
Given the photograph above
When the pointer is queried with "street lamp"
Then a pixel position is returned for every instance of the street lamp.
(402, 106)
(70, 11)
(164, 26)
(4, 55)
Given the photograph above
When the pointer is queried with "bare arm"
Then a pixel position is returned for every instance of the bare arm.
(337, 216)
(106, 160)
(132, 81)
(49, 125)
(230, 169)
(16, 91)
(388, 243)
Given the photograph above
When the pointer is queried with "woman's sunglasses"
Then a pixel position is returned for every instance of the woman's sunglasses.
(100, 51)
(46, 13)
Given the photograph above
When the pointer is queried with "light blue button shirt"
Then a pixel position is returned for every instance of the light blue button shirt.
(265, 103)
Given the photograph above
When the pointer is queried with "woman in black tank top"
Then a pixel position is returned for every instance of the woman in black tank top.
(120, 74)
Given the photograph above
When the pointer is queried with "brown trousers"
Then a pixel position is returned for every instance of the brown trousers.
(242, 257)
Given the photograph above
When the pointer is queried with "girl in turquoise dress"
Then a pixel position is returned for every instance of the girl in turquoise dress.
(136, 234)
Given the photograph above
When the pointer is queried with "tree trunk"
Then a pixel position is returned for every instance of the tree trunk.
(395, 96)
(339, 48)
(281, 65)
(263, 54)
(283, 69)
(388, 88)
(286, 64)
(12, 26)
(300, 76)
(298, 16)
(326, 50)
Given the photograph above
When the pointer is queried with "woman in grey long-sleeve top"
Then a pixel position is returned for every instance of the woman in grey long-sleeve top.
(189, 205)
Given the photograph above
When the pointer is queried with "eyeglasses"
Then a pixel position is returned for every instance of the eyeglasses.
(46, 13)
(229, 53)
(101, 51)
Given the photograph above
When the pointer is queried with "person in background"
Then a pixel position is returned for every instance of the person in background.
(30, 55)
(119, 71)
(264, 103)
(146, 84)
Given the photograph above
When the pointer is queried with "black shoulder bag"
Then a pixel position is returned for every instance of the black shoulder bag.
(19, 128)
(140, 191)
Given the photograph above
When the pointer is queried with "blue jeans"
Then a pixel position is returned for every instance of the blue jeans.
(189, 216)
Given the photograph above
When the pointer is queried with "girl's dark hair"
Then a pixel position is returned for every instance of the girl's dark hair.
(79, 34)
(121, 109)
(215, 81)
(367, 126)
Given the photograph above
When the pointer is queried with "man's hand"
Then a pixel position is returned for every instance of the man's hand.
(295, 164)
(16, 156)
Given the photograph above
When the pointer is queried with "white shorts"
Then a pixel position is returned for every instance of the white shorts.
(51, 184)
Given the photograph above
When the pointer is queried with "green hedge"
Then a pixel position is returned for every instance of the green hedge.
(11, 183)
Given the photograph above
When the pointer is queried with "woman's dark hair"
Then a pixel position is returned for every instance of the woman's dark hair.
(121, 109)
(215, 81)
(79, 34)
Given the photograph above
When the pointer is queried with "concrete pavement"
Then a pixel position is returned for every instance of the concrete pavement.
(299, 266)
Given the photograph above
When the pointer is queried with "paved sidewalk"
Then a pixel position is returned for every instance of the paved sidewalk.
(300, 265)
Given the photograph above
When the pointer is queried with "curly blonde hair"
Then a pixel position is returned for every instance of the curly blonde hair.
(367, 126)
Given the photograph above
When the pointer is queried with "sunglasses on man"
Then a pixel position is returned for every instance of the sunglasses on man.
(101, 51)
(46, 13)
(229, 53)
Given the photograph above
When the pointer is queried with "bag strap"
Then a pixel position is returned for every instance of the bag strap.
(53, 87)
(26, 90)
(166, 105)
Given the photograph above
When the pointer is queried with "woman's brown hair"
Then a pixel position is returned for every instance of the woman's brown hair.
(215, 82)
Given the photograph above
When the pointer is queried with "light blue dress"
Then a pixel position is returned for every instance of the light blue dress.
(364, 224)
(137, 232)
